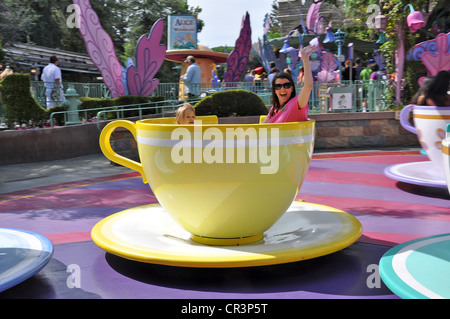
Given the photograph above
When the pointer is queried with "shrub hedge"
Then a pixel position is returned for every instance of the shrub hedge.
(19, 106)
(231, 103)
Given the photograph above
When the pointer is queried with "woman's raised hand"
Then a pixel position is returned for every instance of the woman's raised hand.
(305, 52)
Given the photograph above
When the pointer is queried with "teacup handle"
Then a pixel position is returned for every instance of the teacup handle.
(404, 119)
(105, 146)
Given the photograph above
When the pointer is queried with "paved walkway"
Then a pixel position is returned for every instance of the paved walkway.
(26, 176)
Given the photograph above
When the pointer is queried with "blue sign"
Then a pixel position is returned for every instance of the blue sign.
(182, 32)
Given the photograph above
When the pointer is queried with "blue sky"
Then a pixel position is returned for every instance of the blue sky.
(223, 20)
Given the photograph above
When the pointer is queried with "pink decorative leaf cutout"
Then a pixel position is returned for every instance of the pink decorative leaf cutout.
(238, 58)
(313, 16)
(440, 61)
(427, 46)
(328, 67)
(100, 48)
(150, 54)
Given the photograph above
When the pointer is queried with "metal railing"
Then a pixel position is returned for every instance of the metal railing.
(326, 97)
(365, 95)
(93, 90)
(374, 90)
(160, 110)
(117, 112)
(349, 96)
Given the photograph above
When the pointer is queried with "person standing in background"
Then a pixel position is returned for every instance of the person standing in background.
(301, 75)
(346, 72)
(365, 77)
(51, 75)
(192, 78)
(357, 68)
(272, 73)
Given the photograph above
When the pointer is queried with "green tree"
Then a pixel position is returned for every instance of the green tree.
(397, 34)
(142, 14)
(44, 22)
(2, 54)
(14, 22)
(275, 27)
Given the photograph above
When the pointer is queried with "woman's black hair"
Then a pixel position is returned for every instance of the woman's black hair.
(422, 91)
(437, 92)
(275, 101)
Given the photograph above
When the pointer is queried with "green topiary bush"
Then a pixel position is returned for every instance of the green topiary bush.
(89, 103)
(19, 106)
(137, 99)
(131, 99)
(231, 103)
(58, 119)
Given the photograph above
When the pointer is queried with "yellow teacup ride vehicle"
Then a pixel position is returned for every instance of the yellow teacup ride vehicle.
(225, 184)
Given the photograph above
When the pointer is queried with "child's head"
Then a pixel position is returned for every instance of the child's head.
(185, 114)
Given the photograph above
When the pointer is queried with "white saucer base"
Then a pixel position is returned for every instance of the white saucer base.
(22, 255)
(417, 173)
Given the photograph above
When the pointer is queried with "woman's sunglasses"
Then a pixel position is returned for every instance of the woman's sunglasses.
(286, 85)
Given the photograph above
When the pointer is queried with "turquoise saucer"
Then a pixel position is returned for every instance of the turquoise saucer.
(418, 269)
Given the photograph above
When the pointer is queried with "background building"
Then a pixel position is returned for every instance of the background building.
(289, 12)
(29, 58)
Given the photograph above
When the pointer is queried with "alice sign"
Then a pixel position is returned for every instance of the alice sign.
(182, 32)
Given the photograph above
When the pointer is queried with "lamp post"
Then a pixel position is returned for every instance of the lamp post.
(339, 37)
(34, 71)
(380, 25)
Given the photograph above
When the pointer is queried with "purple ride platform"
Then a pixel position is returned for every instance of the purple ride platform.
(390, 212)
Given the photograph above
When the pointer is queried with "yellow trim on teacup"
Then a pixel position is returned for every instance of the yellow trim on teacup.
(445, 149)
(431, 117)
(168, 124)
(284, 129)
